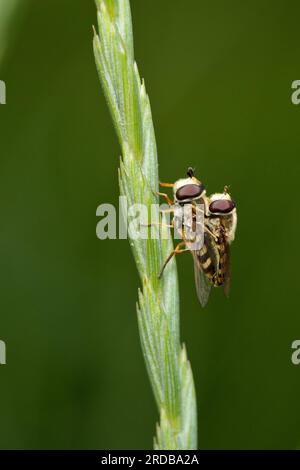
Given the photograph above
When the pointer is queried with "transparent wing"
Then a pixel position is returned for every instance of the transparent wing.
(203, 285)
(227, 272)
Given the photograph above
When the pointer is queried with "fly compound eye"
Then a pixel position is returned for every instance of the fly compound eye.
(221, 206)
(189, 191)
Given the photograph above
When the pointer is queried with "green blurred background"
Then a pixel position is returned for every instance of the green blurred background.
(219, 76)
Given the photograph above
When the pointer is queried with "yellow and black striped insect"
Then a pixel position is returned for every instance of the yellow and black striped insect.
(206, 225)
(222, 221)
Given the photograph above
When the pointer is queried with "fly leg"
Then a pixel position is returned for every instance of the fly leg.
(166, 197)
(166, 185)
(207, 230)
(175, 252)
(157, 224)
(210, 233)
(160, 224)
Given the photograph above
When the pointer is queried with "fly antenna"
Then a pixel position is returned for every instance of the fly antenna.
(190, 172)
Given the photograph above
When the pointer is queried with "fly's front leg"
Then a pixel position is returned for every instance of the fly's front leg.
(207, 230)
(175, 252)
(157, 224)
(166, 197)
(165, 224)
(210, 233)
(166, 185)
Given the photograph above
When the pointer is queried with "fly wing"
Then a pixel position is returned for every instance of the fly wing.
(202, 282)
(226, 268)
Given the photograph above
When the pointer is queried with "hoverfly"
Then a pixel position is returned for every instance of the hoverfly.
(217, 229)
(222, 220)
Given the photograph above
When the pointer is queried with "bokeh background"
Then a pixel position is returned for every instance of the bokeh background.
(219, 76)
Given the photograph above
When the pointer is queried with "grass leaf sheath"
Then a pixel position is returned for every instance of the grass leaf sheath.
(158, 300)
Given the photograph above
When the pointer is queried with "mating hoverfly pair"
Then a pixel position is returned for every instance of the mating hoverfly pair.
(219, 219)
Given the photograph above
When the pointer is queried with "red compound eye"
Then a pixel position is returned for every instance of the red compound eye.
(221, 206)
(189, 191)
